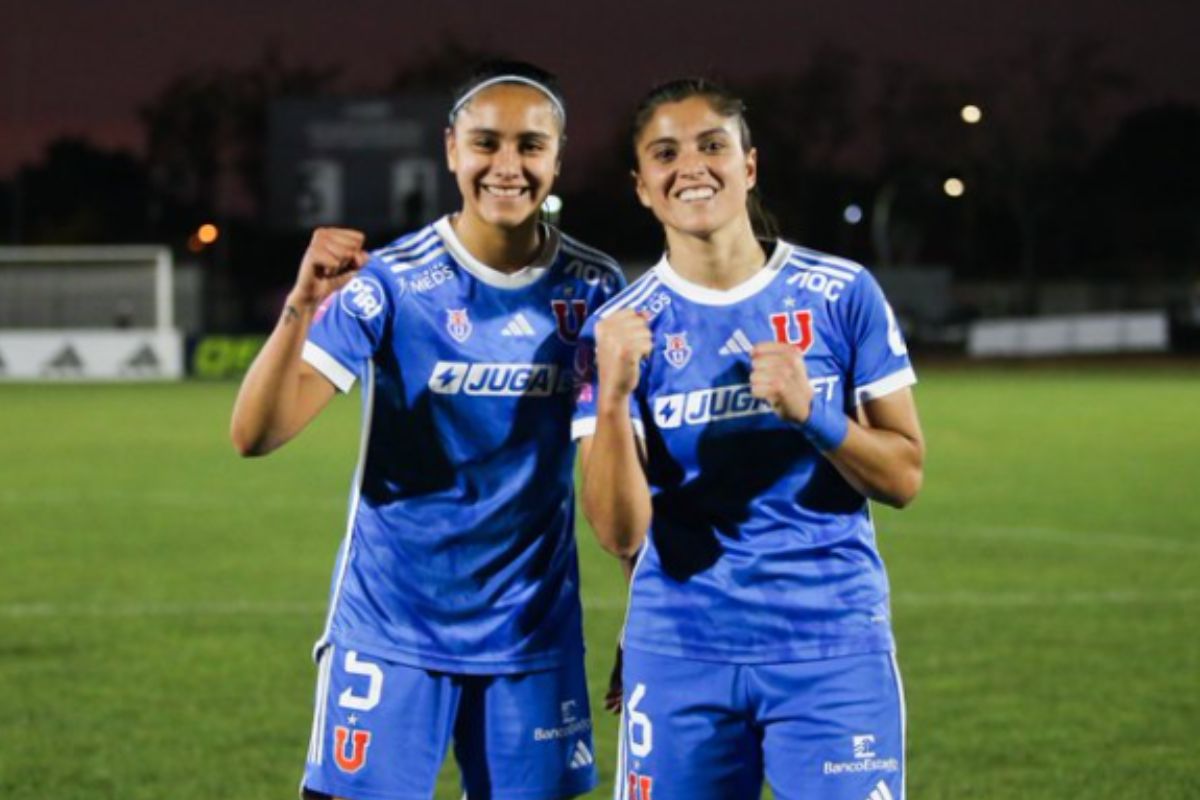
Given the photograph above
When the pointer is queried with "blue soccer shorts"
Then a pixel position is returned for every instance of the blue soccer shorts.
(381, 731)
(828, 729)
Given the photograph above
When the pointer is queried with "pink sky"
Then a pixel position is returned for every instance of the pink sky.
(83, 67)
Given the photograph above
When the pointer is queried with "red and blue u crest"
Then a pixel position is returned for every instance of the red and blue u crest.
(677, 352)
(569, 316)
(796, 329)
(458, 324)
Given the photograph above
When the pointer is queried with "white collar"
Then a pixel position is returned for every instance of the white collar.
(492, 276)
(725, 297)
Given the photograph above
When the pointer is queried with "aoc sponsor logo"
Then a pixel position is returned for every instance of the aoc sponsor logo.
(362, 297)
(726, 402)
(828, 286)
(499, 380)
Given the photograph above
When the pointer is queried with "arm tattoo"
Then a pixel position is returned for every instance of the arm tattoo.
(289, 314)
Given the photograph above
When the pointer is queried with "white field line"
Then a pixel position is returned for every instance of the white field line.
(199, 499)
(1115, 597)
(1042, 534)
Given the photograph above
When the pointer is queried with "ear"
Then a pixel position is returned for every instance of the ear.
(752, 168)
(451, 150)
(639, 186)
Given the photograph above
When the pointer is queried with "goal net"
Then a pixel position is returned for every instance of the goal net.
(88, 312)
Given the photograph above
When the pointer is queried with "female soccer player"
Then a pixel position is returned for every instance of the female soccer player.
(748, 398)
(454, 610)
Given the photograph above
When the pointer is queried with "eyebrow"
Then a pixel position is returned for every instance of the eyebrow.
(701, 135)
(520, 135)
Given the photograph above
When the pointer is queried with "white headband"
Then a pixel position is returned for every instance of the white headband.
(466, 98)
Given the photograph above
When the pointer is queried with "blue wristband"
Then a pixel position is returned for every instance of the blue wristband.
(826, 426)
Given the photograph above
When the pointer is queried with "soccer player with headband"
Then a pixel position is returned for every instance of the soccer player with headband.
(749, 397)
(454, 614)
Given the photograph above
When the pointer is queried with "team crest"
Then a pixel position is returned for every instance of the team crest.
(677, 352)
(794, 328)
(458, 324)
(569, 316)
(350, 748)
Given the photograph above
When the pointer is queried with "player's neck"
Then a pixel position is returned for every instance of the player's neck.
(720, 260)
(503, 249)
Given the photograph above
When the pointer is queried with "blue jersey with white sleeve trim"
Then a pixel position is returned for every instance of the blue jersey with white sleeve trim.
(459, 552)
(758, 549)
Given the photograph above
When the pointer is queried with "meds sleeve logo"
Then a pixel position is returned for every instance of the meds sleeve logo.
(362, 297)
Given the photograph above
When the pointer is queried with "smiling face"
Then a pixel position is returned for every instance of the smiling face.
(692, 170)
(504, 152)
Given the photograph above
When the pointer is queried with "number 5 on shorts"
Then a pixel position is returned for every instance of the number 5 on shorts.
(374, 675)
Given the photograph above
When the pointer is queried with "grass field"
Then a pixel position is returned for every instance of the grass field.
(158, 596)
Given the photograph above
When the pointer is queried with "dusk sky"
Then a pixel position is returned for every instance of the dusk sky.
(83, 68)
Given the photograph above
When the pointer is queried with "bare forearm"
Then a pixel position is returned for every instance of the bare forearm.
(263, 417)
(616, 497)
(884, 465)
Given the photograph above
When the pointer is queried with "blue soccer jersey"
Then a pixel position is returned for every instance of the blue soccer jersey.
(758, 549)
(459, 552)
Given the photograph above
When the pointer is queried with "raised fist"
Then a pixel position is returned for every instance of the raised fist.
(622, 341)
(332, 258)
(778, 375)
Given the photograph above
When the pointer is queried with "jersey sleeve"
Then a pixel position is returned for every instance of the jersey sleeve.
(879, 356)
(350, 325)
(587, 386)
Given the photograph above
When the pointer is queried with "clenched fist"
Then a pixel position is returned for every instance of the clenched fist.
(777, 375)
(332, 258)
(622, 341)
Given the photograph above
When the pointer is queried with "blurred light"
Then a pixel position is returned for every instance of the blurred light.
(207, 233)
(971, 114)
(954, 187)
(194, 244)
(853, 214)
(553, 205)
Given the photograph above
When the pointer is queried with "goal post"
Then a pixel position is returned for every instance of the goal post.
(96, 312)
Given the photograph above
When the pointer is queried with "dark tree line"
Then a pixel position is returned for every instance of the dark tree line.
(1046, 193)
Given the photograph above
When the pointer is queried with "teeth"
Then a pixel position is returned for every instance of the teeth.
(698, 193)
(503, 191)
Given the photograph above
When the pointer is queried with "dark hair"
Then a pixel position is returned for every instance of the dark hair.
(725, 103)
(495, 69)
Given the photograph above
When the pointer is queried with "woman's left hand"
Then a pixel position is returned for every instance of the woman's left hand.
(777, 375)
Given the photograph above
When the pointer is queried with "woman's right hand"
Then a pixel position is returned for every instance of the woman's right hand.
(332, 258)
(622, 341)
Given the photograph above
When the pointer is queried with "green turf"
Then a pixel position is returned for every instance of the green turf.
(158, 595)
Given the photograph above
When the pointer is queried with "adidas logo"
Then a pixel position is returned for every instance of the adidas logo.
(581, 757)
(880, 792)
(737, 343)
(518, 326)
